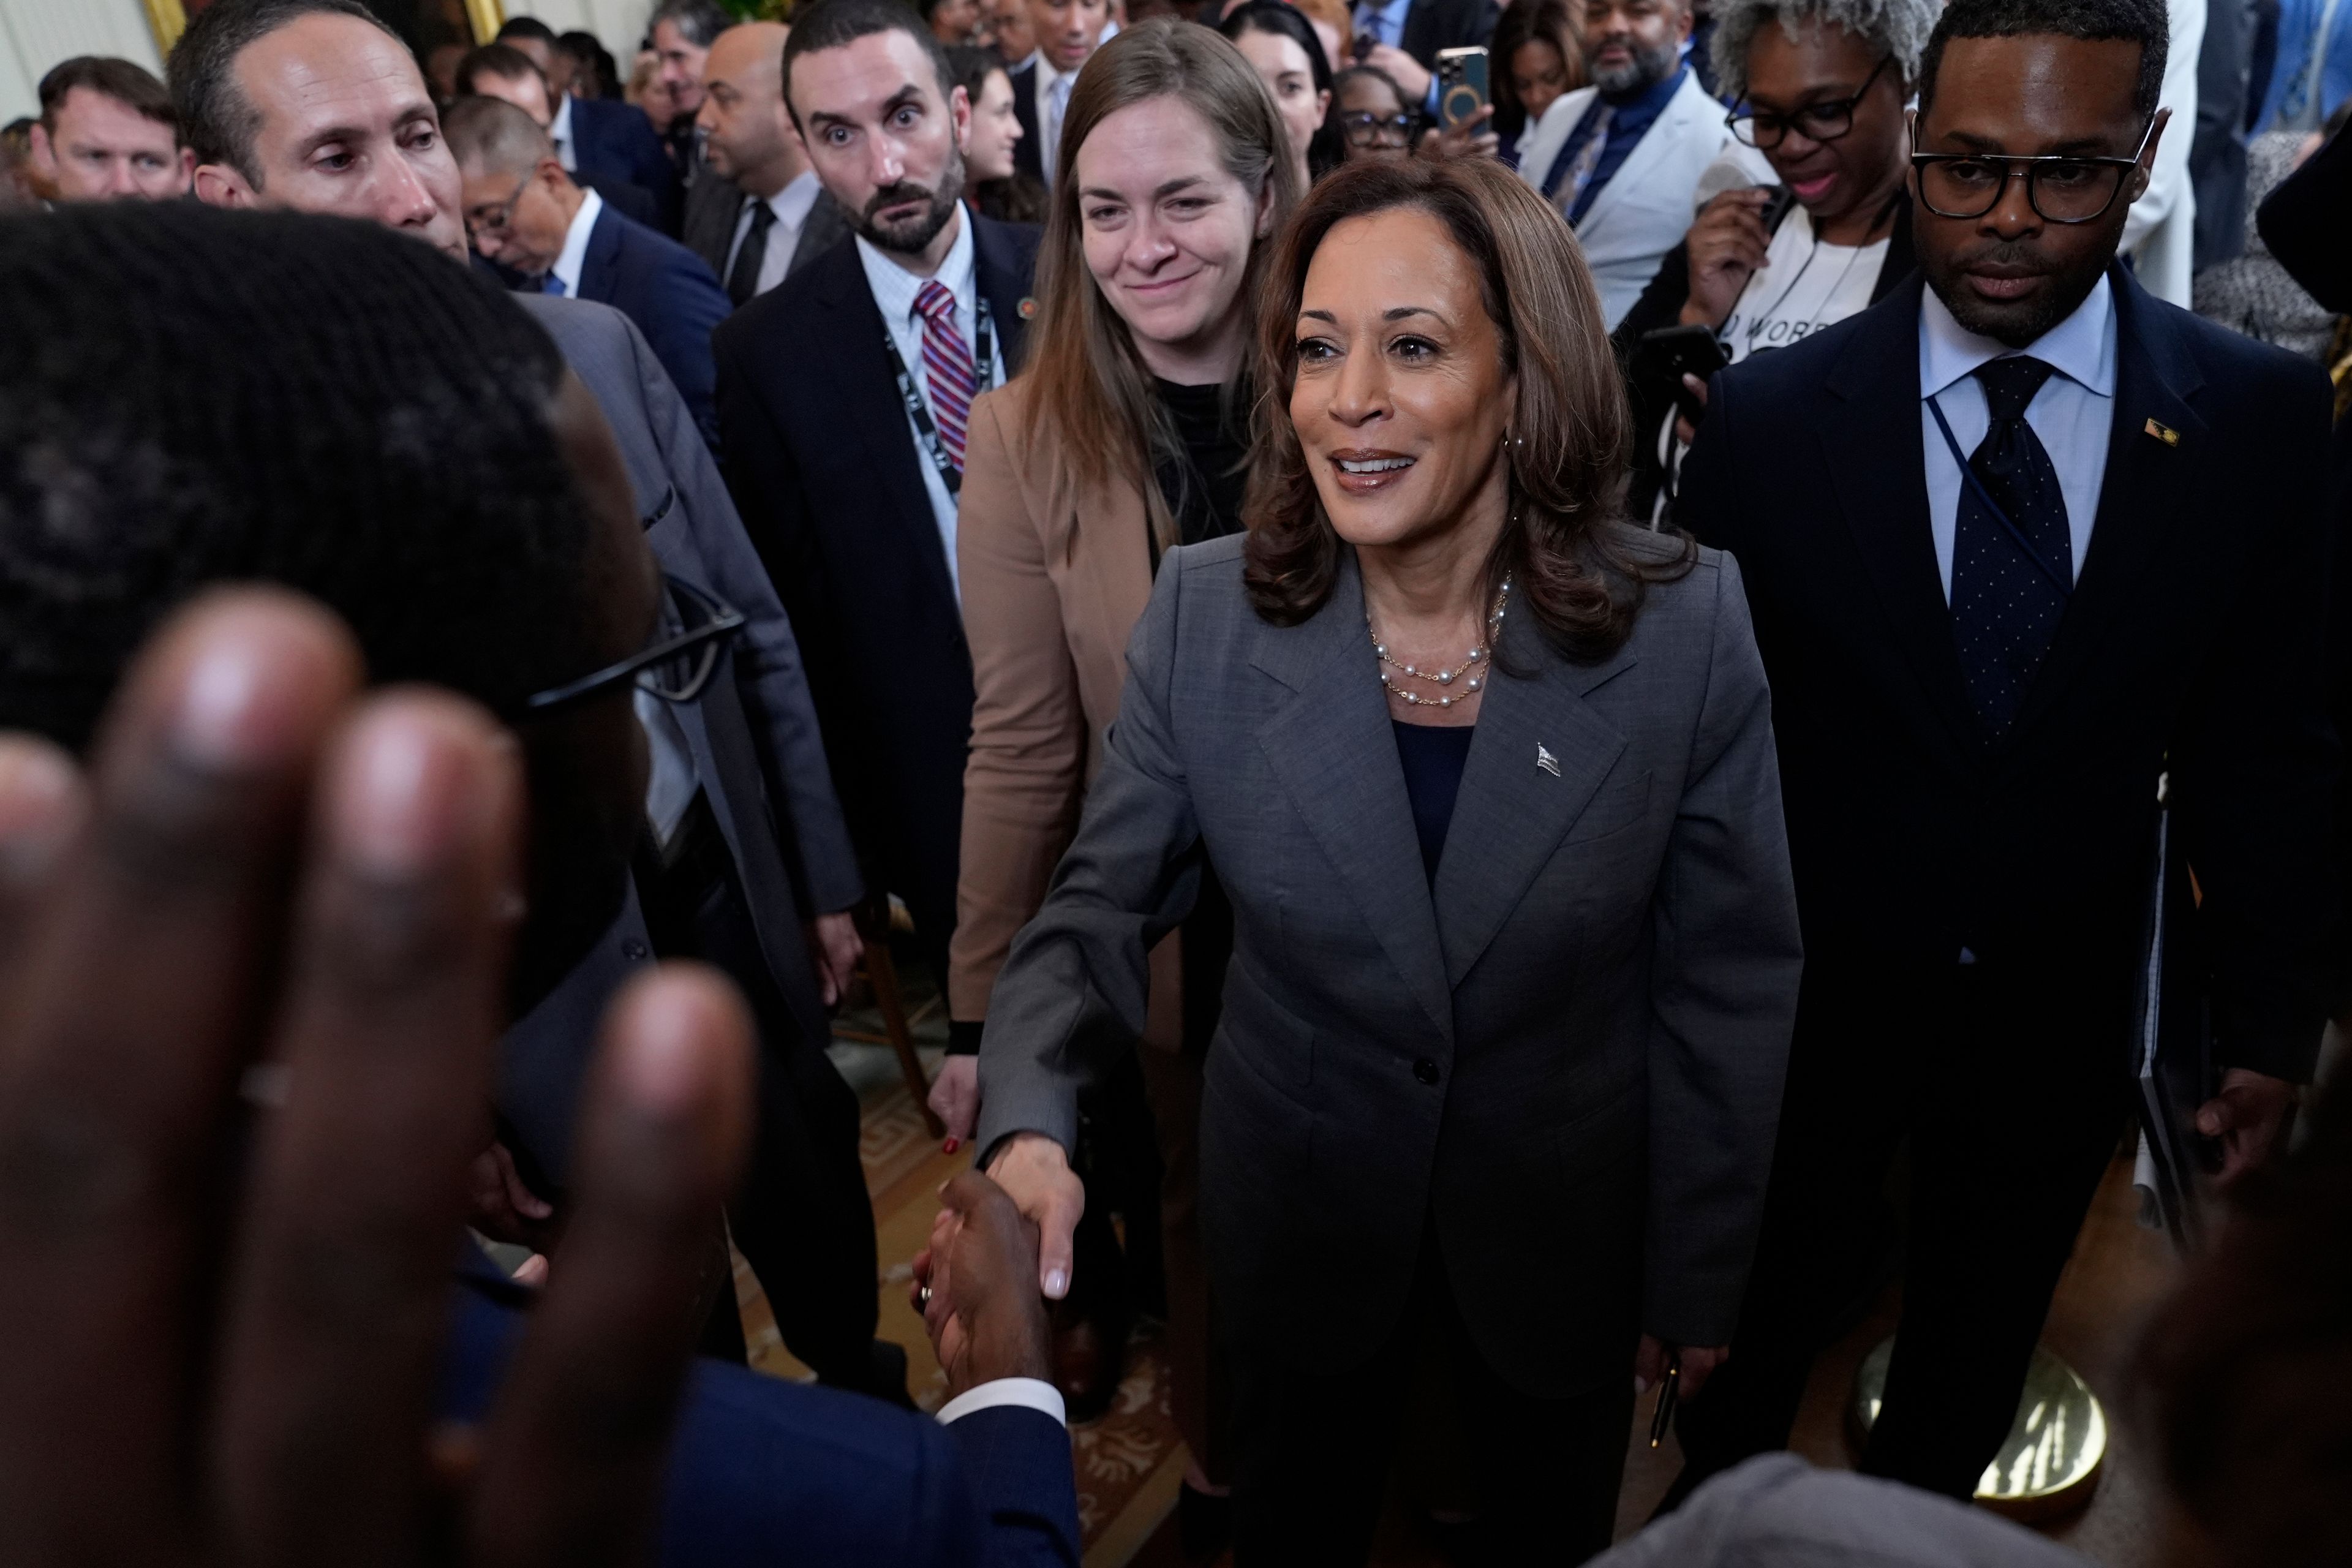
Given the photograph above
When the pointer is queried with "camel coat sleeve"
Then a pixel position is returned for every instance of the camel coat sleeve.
(1052, 587)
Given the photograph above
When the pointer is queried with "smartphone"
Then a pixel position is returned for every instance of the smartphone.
(1461, 85)
(1777, 208)
(1666, 355)
(1365, 44)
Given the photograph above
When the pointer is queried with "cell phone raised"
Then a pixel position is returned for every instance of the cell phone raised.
(1665, 356)
(1365, 43)
(1461, 85)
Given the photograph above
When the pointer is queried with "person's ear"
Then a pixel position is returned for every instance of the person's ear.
(45, 156)
(222, 185)
(2145, 171)
(959, 116)
(1266, 205)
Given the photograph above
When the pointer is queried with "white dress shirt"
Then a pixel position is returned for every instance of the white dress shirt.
(2073, 414)
(1028, 1390)
(1053, 103)
(894, 290)
(558, 131)
(575, 255)
(791, 207)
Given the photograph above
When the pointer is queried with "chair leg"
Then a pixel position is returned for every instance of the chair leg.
(883, 975)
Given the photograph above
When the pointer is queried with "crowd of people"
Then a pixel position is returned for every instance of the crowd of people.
(1493, 723)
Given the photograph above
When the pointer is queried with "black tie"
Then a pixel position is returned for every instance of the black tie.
(743, 281)
(2006, 593)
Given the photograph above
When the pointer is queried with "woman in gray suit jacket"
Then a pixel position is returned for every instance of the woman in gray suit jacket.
(1489, 779)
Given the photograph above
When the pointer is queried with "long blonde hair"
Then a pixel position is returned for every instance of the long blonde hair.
(1091, 389)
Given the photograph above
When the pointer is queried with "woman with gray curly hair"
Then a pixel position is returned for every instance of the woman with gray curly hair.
(1818, 88)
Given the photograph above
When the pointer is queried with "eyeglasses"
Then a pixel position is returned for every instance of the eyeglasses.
(494, 220)
(1362, 128)
(1824, 122)
(2062, 189)
(675, 669)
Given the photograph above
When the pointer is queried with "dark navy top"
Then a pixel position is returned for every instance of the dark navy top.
(1433, 758)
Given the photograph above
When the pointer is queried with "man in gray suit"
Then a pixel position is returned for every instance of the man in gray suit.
(748, 863)
(781, 218)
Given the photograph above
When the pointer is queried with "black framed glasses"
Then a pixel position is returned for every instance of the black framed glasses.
(493, 220)
(1824, 121)
(2062, 188)
(679, 665)
(1365, 129)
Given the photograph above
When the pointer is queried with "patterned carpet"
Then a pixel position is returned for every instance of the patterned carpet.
(1129, 1462)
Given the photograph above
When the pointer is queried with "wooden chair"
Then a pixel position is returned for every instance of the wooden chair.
(881, 974)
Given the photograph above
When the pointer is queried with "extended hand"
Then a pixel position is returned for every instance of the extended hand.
(955, 1097)
(268, 864)
(986, 1320)
(504, 1206)
(1698, 1363)
(2249, 1116)
(1474, 138)
(1034, 1170)
(836, 946)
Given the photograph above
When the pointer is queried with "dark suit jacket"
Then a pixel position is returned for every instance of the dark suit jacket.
(824, 468)
(632, 202)
(1029, 152)
(763, 1471)
(1434, 25)
(2192, 645)
(753, 734)
(710, 228)
(613, 140)
(1565, 1056)
(666, 290)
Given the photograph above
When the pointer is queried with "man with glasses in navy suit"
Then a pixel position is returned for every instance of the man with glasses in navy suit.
(2028, 550)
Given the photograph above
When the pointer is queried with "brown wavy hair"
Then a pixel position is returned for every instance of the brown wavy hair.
(1580, 577)
(1092, 389)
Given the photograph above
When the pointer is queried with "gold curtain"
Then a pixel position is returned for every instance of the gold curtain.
(169, 19)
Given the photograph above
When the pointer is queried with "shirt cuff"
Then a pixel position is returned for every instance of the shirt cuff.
(1429, 100)
(1041, 1397)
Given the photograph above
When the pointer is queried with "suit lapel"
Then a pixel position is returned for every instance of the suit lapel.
(1661, 135)
(1029, 152)
(2139, 498)
(1004, 283)
(824, 229)
(1879, 471)
(1511, 813)
(870, 405)
(604, 258)
(1331, 747)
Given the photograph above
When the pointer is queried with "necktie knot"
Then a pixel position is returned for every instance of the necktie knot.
(763, 216)
(935, 302)
(2011, 382)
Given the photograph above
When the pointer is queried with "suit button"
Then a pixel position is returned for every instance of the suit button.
(635, 951)
(1425, 1070)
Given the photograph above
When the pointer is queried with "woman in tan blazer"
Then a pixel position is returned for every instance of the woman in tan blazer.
(1124, 437)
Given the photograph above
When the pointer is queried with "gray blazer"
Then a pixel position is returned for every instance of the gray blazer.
(1567, 1055)
(753, 734)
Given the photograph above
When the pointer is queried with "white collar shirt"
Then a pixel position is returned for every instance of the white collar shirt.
(894, 290)
(791, 207)
(2071, 416)
(560, 132)
(567, 266)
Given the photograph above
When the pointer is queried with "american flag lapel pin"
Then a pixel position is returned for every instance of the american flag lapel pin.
(1546, 761)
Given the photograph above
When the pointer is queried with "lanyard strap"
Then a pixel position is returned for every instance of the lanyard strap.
(983, 372)
(2058, 579)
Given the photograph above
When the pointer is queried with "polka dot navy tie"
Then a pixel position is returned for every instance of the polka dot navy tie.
(2005, 603)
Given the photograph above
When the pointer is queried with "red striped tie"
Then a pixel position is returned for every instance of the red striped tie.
(947, 363)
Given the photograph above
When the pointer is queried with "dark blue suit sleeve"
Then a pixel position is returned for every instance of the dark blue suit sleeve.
(765, 1472)
(1017, 1462)
(687, 307)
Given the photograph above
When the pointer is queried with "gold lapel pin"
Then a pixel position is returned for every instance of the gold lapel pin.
(2164, 433)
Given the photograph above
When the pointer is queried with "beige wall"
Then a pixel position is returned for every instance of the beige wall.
(36, 34)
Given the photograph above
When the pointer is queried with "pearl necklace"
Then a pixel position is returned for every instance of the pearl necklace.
(1472, 668)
